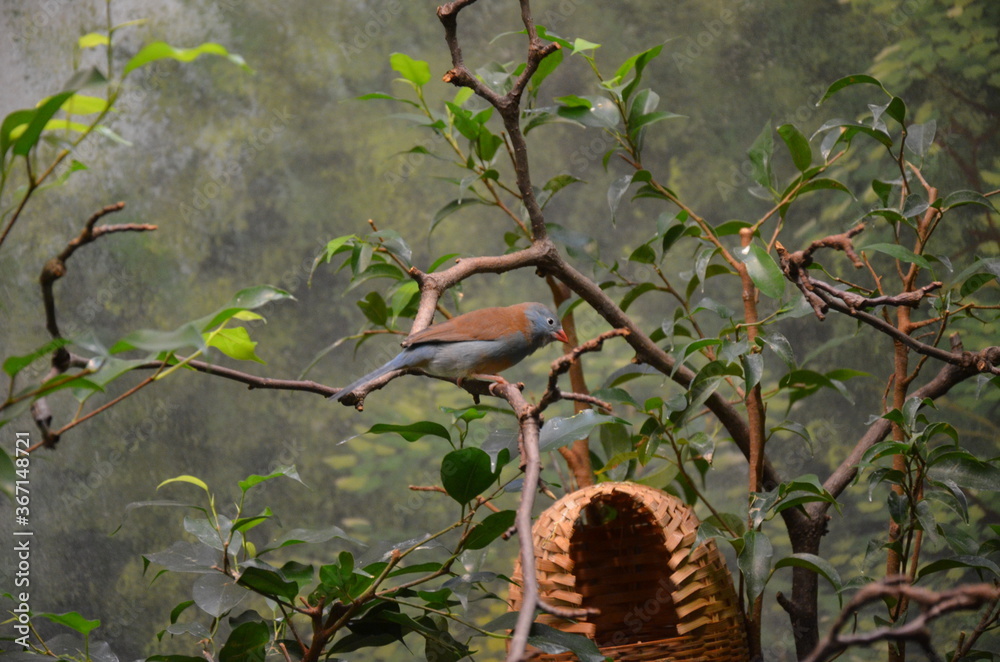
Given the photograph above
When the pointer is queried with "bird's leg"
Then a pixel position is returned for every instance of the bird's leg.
(489, 378)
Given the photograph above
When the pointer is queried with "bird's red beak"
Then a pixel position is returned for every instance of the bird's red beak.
(561, 336)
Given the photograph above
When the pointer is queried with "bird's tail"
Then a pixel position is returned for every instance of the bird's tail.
(400, 361)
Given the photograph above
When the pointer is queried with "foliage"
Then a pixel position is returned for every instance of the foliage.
(733, 375)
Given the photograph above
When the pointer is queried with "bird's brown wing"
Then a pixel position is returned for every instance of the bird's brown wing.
(482, 324)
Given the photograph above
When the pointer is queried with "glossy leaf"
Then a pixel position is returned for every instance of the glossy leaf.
(15, 364)
(754, 560)
(798, 146)
(72, 620)
(760, 154)
(489, 529)
(268, 582)
(186, 557)
(920, 137)
(637, 62)
(817, 564)
(559, 431)
(960, 198)
(308, 536)
(900, 253)
(616, 192)
(847, 81)
(255, 479)
(246, 643)
(466, 473)
(550, 640)
(235, 343)
(451, 208)
(763, 270)
(412, 431)
(972, 562)
(159, 50)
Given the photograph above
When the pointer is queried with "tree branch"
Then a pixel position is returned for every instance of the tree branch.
(933, 605)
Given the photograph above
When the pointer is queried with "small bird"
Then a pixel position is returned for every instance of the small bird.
(478, 344)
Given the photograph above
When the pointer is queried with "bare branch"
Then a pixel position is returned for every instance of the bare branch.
(933, 605)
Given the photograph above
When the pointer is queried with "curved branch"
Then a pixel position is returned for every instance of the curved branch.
(933, 605)
(948, 376)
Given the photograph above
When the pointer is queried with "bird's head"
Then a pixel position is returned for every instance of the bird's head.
(543, 326)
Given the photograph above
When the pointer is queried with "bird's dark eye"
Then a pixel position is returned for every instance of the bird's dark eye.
(550, 321)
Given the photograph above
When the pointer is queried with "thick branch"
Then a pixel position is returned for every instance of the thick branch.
(933, 605)
(55, 268)
(948, 376)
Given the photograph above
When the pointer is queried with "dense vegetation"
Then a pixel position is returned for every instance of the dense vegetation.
(655, 202)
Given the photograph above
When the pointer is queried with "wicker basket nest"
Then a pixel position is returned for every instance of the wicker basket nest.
(626, 550)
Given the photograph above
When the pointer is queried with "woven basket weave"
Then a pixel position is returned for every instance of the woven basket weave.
(626, 550)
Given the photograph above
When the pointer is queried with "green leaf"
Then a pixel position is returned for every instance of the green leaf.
(382, 95)
(255, 479)
(900, 253)
(651, 118)
(974, 562)
(760, 157)
(82, 104)
(72, 620)
(186, 479)
(847, 81)
(39, 118)
(850, 128)
(268, 583)
(466, 473)
(234, 343)
(308, 536)
(15, 364)
(967, 472)
(559, 431)
(823, 183)
(159, 50)
(971, 284)
(920, 137)
(638, 62)
(490, 529)
(92, 40)
(217, 593)
(754, 561)
(412, 431)
(635, 293)
(246, 643)
(416, 71)
(550, 640)
(573, 101)
(763, 270)
(451, 208)
(616, 192)
(960, 198)
(817, 564)
(753, 368)
(580, 45)
(798, 146)
(375, 309)
(187, 335)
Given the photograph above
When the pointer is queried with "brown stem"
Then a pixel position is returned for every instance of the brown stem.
(577, 456)
(933, 605)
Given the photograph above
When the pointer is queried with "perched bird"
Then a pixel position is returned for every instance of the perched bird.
(477, 344)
